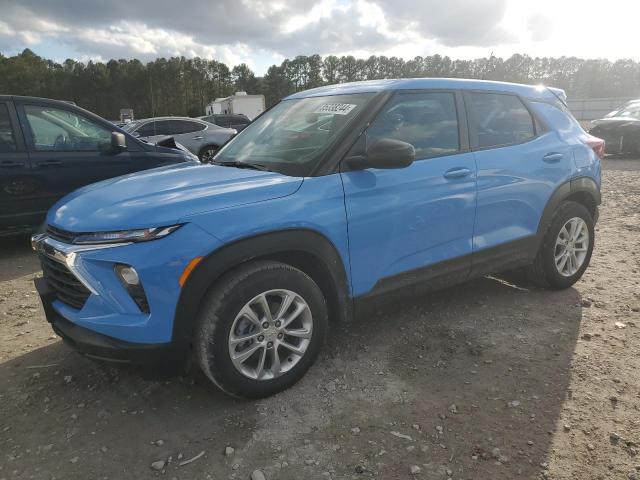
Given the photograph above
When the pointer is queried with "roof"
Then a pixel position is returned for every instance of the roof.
(167, 118)
(222, 99)
(368, 86)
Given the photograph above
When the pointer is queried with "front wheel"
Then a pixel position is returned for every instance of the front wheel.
(566, 248)
(260, 329)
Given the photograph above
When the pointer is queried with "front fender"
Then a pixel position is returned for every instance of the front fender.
(275, 245)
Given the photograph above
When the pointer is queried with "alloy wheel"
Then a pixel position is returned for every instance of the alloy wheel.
(207, 155)
(572, 246)
(270, 334)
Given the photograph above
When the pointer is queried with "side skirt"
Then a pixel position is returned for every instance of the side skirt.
(409, 285)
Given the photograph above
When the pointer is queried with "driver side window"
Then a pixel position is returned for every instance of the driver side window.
(428, 121)
(54, 129)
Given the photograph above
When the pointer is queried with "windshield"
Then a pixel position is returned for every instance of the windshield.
(630, 111)
(292, 136)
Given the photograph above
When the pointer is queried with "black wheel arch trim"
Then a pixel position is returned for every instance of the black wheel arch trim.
(278, 245)
(584, 185)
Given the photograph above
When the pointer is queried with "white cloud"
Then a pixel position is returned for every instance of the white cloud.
(261, 32)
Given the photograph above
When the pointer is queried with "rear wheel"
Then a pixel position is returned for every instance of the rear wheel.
(207, 153)
(566, 248)
(261, 329)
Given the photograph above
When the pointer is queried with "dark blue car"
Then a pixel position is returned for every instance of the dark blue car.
(329, 200)
(49, 148)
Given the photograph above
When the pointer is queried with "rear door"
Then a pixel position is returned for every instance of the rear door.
(189, 133)
(520, 164)
(239, 123)
(67, 150)
(17, 189)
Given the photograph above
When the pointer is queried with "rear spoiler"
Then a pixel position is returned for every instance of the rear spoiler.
(560, 94)
(168, 142)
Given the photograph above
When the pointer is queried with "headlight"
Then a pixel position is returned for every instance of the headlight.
(123, 236)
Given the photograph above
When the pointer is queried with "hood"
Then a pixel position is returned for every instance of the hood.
(164, 195)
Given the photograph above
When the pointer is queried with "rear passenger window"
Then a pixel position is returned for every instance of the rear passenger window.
(7, 139)
(185, 126)
(147, 130)
(498, 120)
(428, 121)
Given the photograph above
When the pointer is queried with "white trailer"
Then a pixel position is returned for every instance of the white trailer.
(240, 103)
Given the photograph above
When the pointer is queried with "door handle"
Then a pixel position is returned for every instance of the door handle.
(49, 163)
(198, 138)
(458, 172)
(11, 164)
(553, 157)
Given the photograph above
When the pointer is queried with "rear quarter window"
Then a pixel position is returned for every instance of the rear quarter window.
(498, 120)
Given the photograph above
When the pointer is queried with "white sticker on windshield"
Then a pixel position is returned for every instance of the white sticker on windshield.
(335, 108)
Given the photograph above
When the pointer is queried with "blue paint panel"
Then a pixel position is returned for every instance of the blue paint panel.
(159, 264)
(404, 219)
(162, 196)
(514, 185)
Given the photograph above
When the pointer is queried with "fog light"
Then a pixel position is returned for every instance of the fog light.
(131, 281)
(128, 274)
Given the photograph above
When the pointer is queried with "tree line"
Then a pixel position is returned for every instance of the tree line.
(183, 86)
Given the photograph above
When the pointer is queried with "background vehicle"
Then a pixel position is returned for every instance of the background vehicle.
(49, 148)
(239, 104)
(201, 138)
(236, 122)
(332, 198)
(630, 102)
(620, 129)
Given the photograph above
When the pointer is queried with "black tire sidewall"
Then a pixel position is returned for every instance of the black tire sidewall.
(566, 211)
(204, 149)
(273, 277)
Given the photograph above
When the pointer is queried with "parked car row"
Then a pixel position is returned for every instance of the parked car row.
(202, 138)
(49, 148)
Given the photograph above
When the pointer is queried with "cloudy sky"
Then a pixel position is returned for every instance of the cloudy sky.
(264, 32)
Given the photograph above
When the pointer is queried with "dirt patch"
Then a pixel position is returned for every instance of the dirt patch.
(488, 380)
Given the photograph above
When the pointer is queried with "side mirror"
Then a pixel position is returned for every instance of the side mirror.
(118, 142)
(385, 153)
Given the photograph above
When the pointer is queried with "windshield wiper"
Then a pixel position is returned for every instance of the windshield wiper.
(238, 164)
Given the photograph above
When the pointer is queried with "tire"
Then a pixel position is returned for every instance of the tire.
(219, 323)
(544, 271)
(207, 153)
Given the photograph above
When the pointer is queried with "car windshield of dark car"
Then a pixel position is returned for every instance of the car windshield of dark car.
(292, 136)
(631, 111)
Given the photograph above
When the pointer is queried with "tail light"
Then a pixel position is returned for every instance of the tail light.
(597, 144)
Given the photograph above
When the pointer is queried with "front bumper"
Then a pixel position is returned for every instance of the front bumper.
(106, 323)
(103, 347)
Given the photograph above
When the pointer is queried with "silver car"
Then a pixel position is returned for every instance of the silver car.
(201, 138)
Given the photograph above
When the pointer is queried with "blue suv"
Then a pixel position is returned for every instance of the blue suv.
(328, 200)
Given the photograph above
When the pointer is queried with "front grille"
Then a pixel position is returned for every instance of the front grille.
(60, 235)
(67, 287)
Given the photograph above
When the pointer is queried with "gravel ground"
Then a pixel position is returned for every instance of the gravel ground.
(487, 380)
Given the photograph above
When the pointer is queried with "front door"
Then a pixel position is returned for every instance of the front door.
(418, 219)
(68, 151)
